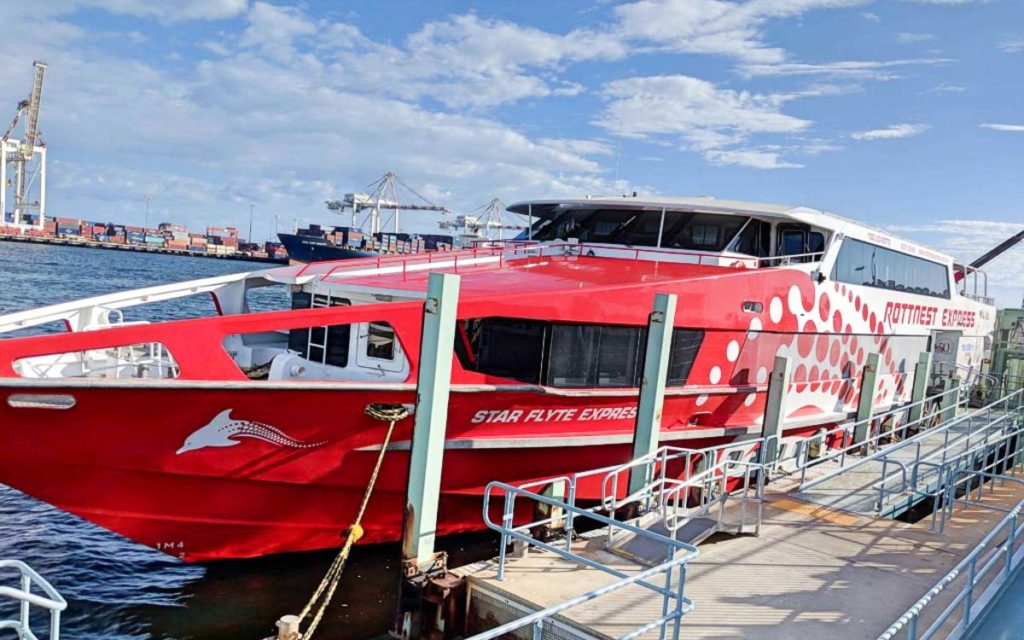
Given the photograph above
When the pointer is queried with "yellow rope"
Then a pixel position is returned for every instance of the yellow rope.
(327, 586)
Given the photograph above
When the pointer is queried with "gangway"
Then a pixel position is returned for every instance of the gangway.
(917, 462)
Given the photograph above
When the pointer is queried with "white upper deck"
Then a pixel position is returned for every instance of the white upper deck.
(823, 220)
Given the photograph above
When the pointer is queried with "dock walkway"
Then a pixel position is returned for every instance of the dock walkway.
(814, 572)
(856, 488)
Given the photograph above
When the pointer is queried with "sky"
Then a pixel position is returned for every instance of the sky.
(905, 114)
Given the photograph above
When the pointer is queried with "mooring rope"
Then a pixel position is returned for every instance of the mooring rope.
(390, 413)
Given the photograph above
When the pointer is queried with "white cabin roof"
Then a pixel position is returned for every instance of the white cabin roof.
(710, 204)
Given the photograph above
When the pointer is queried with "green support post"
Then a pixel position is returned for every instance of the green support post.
(652, 386)
(950, 398)
(866, 402)
(775, 407)
(921, 372)
(431, 419)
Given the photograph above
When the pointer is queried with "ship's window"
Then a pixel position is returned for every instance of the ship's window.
(700, 231)
(567, 355)
(754, 240)
(799, 240)
(380, 342)
(685, 345)
(873, 266)
(682, 230)
(503, 347)
(642, 232)
(327, 345)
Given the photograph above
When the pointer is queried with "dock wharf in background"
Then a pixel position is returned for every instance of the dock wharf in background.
(140, 248)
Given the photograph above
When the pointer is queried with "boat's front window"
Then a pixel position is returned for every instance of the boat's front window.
(642, 228)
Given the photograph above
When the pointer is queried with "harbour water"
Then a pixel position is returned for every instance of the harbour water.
(120, 590)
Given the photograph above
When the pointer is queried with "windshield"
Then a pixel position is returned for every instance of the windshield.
(681, 230)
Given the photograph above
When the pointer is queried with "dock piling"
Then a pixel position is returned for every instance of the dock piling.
(425, 579)
(921, 371)
(652, 386)
(775, 407)
(866, 402)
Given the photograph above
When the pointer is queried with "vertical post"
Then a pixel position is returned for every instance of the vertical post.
(775, 408)
(950, 398)
(921, 371)
(431, 420)
(652, 386)
(866, 402)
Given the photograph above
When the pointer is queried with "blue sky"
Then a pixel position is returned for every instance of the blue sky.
(907, 114)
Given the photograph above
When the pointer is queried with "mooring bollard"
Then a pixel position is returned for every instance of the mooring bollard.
(288, 628)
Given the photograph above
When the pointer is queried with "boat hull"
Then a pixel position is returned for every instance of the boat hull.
(307, 249)
(290, 472)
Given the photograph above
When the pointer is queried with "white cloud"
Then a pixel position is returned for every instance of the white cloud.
(1016, 45)
(715, 26)
(949, 87)
(177, 11)
(750, 158)
(698, 115)
(871, 17)
(867, 69)
(907, 37)
(890, 133)
(1004, 127)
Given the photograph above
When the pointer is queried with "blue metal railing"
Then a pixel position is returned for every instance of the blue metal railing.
(996, 558)
(673, 569)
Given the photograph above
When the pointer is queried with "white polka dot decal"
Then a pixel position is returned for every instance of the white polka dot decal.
(762, 375)
(716, 375)
(755, 328)
(732, 351)
(751, 397)
(701, 399)
(775, 309)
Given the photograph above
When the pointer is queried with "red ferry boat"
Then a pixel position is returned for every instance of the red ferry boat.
(256, 440)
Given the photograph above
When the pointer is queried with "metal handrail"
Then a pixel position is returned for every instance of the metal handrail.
(674, 603)
(52, 601)
(845, 432)
(964, 599)
(910, 478)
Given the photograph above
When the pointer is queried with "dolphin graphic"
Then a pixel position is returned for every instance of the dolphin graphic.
(223, 430)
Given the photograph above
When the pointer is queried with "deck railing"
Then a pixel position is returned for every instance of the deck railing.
(50, 600)
(671, 572)
(994, 561)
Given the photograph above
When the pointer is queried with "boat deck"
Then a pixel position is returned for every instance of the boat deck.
(814, 572)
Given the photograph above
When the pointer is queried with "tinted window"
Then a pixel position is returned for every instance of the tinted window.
(567, 355)
(380, 341)
(700, 231)
(754, 240)
(873, 266)
(503, 347)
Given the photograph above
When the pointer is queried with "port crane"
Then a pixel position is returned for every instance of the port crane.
(383, 195)
(486, 219)
(26, 159)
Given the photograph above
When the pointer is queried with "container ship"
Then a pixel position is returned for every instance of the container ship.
(263, 444)
(316, 243)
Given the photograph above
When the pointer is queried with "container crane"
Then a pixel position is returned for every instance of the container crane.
(383, 195)
(486, 219)
(19, 157)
